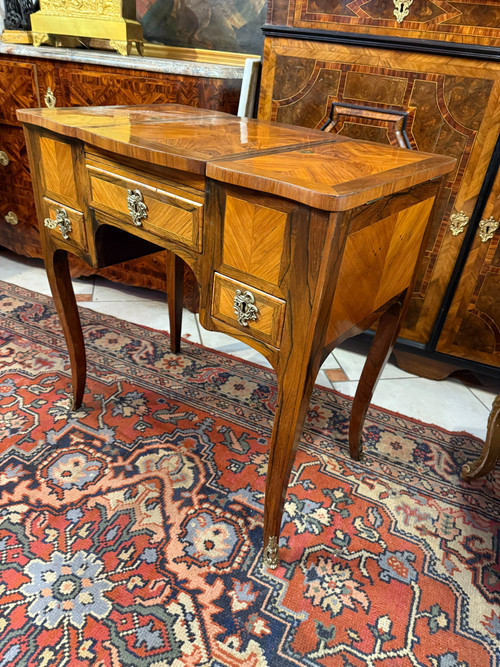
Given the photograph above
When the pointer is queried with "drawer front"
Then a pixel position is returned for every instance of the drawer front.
(166, 211)
(260, 315)
(14, 166)
(64, 224)
(17, 89)
(18, 222)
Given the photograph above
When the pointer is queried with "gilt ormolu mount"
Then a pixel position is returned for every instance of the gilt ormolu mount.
(111, 20)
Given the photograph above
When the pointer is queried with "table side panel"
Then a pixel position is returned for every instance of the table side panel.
(379, 257)
(57, 169)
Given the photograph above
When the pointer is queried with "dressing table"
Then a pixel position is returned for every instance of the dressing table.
(298, 239)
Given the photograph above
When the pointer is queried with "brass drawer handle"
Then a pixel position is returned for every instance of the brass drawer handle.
(402, 9)
(487, 228)
(458, 222)
(50, 98)
(244, 307)
(62, 222)
(11, 218)
(136, 206)
(4, 159)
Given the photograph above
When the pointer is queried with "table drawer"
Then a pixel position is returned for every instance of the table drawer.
(160, 208)
(65, 224)
(248, 309)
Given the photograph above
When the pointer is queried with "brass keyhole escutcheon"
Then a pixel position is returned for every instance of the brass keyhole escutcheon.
(49, 98)
(4, 159)
(487, 229)
(458, 222)
(244, 307)
(402, 9)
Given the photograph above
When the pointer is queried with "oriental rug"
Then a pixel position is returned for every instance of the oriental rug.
(131, 529)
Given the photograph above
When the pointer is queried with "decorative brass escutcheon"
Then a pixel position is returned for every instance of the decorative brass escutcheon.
(487, 228)
(62, 222)
(271, 558)
(136, 206)
(4, 159)
(11, 218)
(49, 98)
(244, 308)
(458, 222)
(402, 9)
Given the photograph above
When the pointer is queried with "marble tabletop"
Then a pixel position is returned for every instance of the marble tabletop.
(112, 59)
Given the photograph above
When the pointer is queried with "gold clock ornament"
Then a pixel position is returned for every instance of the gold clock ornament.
(111, 20)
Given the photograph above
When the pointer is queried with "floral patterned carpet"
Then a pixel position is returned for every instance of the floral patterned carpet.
(131, 530)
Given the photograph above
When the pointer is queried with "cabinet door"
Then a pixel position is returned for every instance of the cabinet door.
(453, 109)
(466, 21)
(472, 327)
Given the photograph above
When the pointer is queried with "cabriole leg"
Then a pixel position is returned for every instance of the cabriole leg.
(56, 264)
(175, 291)
(380, 350)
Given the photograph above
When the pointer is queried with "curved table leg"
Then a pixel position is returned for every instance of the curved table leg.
(175, 289)
(56, 264)
(293, 400)
(491, 450)
(380, 350)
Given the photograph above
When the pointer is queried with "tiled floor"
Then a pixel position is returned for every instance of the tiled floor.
(447, 403)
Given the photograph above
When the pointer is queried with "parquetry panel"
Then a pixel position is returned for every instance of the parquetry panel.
(58, 168)
(253, 238)
(17, 89)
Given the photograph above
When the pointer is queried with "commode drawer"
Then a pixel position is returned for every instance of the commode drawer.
(248, 309)
(64, 224)
(160, 208)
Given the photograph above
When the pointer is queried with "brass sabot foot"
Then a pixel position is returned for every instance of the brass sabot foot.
(271, 557)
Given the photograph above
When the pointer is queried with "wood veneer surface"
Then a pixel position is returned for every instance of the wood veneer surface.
(297, 163)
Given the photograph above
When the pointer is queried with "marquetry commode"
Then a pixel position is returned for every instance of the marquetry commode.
(298, 239)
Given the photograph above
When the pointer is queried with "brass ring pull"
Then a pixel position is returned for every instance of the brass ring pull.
(61, 221)
(136, 206)
(487, 229)
(11, 218)
(458, 222)
(4, 159)
(244, 307)
(50, 99)
(402, 9)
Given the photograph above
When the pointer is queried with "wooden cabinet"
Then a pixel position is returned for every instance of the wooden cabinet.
(448, 91)
(472, 326)
(27, 82)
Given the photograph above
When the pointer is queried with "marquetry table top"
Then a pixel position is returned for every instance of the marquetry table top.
(325, 171)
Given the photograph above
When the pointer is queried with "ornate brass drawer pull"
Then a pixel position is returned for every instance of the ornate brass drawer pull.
(62, 222)
(4, 159)
(402, 9)
(11, 218)
(487, 228)
(50, 98)
(244, 308)
(458, 222)
(137, 207)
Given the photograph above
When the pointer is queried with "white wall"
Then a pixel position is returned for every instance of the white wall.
(2, 14)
